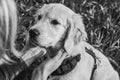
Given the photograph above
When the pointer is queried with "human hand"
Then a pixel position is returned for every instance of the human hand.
(33, 53)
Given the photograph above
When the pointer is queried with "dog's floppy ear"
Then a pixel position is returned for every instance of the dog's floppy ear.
(76, 32)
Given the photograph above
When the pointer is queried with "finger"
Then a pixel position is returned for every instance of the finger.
(28, 50)
(33, 52)
(41, 53)
(37, 51)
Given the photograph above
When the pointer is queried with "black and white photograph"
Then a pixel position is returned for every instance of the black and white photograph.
(59, 39)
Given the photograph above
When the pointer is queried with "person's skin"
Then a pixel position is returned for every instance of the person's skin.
(32, 54)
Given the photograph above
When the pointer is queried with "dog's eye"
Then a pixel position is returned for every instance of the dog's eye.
(39, 17)
(55, 22)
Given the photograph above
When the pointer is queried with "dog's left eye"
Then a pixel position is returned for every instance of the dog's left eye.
(39, 17)
(55, 22)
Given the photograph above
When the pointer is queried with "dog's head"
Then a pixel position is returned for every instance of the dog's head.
(57, 25)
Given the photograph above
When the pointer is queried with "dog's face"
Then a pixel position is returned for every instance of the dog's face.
(53, 22)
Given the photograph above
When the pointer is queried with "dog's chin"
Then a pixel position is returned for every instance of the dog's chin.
(35, 43)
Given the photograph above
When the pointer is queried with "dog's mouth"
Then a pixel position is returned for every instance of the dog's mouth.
(33, 42)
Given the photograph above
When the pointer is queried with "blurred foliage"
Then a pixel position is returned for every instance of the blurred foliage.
(101, 19)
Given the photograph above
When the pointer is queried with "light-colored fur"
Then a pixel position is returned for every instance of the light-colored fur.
(75, 44)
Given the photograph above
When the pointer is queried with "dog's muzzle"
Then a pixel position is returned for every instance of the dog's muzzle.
(33, 34)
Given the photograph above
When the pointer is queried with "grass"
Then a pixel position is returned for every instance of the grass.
(101, 19)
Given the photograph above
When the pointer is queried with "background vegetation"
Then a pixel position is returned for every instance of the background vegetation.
(101, 19)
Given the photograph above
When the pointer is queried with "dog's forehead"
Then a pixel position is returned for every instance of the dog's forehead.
(57, 10)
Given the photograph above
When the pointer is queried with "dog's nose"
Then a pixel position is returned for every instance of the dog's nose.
(34, 33)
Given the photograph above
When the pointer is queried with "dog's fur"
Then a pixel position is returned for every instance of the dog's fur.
(54, 21)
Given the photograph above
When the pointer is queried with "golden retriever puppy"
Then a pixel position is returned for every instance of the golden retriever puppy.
(60, 28)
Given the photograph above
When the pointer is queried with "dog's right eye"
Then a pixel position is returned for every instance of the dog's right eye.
(55, 22)
(39, 17)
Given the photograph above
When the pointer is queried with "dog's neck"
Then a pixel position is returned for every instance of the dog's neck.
(52, 51)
